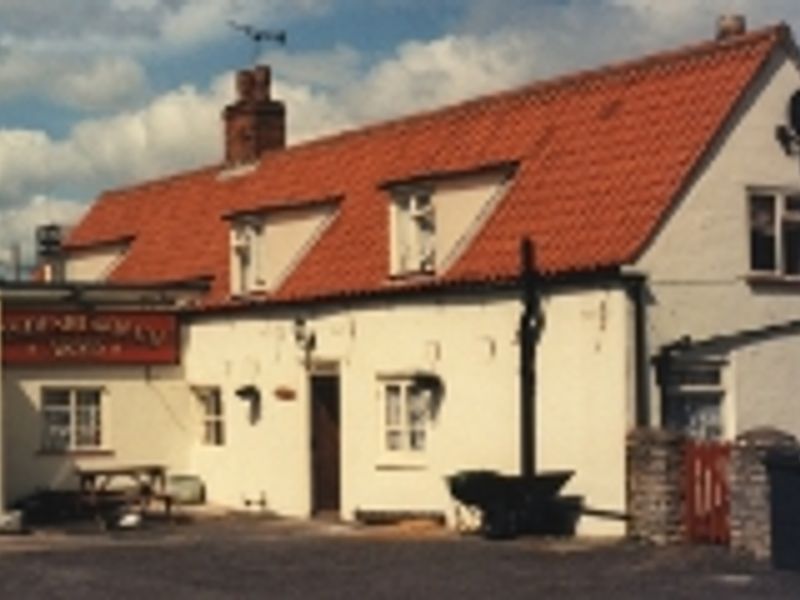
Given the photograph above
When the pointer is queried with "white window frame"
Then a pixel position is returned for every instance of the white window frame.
(408, 424)
(413, 226)
(782, 215)
(247, 260)
(211, 408)
(683, 385)
(74, 434)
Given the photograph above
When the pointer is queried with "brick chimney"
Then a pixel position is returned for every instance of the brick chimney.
(729, 26)
(254, 123)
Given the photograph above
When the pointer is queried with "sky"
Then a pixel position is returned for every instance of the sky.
(98, 94)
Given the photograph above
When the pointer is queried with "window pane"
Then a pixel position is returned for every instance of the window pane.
(793, 205)
(56, 420)
(87, 418)
(208, 433)
(55, 398)
(762, 233)
(417, 439)
(697, 415)
(417, 406)
(56, 430)
(219, 433)
(394, 440)
(393, 405)
(791, 247)
(696, 374)
(425, 225)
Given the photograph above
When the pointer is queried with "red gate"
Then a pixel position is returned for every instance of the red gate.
(706, 492)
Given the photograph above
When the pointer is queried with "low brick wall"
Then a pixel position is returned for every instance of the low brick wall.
(655, 472)
(750, 493)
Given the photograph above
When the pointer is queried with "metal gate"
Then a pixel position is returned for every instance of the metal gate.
(707, 492)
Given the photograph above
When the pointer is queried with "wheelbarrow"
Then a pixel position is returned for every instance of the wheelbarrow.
(514, 504)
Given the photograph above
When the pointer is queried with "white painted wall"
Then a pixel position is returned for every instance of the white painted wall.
(698, 264)
(586, 396)
(146, 419)
(584, 378)
(288, 235)
(93, 264)
(461, 207)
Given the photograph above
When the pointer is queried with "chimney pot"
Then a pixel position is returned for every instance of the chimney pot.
(245, 85)
(254, 122)
(263, 79)
(729, 26)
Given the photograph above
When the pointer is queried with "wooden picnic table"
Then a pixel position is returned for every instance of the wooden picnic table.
(142, 484)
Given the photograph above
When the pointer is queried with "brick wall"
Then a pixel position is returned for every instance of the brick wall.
(655, 469)
(750, 493)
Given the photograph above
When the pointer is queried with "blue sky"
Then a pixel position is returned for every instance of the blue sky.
(97, 94)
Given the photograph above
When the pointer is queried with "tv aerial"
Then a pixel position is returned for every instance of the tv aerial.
(259, 36)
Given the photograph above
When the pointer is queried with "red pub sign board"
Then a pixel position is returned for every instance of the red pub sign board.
(49, 338)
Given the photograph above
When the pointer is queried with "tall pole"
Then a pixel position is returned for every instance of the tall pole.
(528, 337)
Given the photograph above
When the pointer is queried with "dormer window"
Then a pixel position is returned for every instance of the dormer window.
(246, 260)
(433, 219)
(267, 244)
(414, 229)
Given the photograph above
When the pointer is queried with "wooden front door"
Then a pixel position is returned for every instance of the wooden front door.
(706, 492)
(325, 442)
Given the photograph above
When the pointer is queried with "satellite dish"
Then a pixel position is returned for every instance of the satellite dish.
(794, 112)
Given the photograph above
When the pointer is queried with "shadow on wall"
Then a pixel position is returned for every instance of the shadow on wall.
(27, 467)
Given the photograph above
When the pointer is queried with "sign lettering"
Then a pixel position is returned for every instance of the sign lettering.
(47, 338)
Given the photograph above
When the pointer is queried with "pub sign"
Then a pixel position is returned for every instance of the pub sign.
(49, 338)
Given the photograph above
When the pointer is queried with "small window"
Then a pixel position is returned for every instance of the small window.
(406, 414)
(693, 398)
(212, 421)
(775, 233)
(71, 419)
(246, 256)
(414, 227)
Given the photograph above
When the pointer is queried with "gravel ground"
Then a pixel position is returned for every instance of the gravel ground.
(247, 557)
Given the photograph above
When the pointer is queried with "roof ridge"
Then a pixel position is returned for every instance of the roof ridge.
(158, 181)
(778, 32)
(536, 87)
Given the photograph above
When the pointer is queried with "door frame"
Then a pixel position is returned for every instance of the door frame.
(322, 368)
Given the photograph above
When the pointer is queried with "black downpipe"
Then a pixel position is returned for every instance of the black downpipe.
(528, 338)
(638, 294)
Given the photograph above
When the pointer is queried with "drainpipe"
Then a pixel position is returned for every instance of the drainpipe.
(637, 292)
(529, 328)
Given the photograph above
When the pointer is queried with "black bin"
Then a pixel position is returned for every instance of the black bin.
(784, 478)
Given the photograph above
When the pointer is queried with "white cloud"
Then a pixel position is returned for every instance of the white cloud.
(17, 225)
(96, 84)
(131, 24)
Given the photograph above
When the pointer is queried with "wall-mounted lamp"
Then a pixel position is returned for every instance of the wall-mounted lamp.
(303, 335)
(250, 393)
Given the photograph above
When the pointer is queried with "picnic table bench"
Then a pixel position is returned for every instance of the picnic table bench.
(139, 485)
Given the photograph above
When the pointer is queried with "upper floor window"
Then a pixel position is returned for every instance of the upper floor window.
(246, 243)
(432, 220)
(775, 233)
(268, 243)
(414, 232)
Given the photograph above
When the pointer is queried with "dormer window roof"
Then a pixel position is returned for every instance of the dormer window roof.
(432, 220)
(267, 243)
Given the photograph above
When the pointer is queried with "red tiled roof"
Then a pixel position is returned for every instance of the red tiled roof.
(601, 157)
